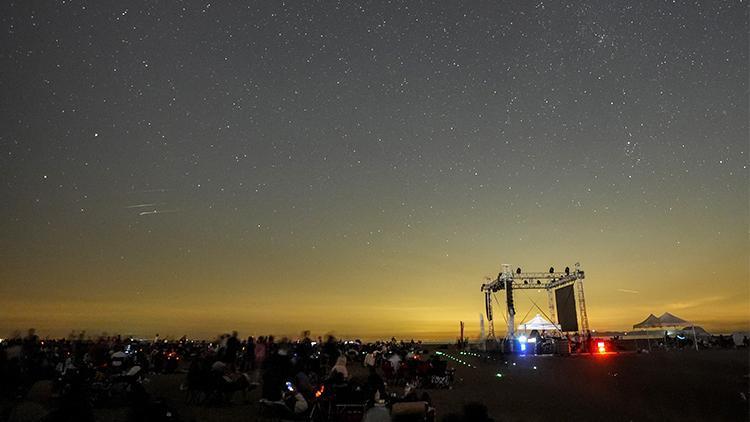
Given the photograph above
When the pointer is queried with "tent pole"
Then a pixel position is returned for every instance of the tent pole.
(695, 339)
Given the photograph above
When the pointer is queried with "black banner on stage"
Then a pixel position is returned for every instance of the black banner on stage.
(566, 308)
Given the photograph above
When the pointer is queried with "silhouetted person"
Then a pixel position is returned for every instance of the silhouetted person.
(233, 347)
(331, 350)
(375, 386)
(305, 350)
(249, 361)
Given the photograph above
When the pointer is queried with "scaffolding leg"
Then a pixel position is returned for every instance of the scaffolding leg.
(582, 308)
(488, 308)
(551, 300)
(511, 330)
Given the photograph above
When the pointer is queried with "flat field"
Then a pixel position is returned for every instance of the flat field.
(661, 386)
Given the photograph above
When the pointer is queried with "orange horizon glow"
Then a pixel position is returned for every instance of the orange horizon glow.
(430, 310)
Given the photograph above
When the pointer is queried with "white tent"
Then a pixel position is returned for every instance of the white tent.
(700, 332)
(538, 323)
(664, 321)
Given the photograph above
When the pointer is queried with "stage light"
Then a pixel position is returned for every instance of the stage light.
(523, 347)
(531, 340)
(600, 346)
(522, 339)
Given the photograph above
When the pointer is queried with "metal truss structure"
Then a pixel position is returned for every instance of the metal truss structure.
(519, 280)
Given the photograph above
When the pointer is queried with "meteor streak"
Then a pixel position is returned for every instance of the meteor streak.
(628, 291)
(157, 212)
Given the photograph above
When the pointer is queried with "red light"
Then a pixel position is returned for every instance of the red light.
(600, 346)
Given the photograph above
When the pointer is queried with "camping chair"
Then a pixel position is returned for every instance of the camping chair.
(440, 376)
(424, 370)
(214, 389)
(411, 369)
(415, 411)
(275, 411)
(387, 370)
(350, 412)
(399, 377)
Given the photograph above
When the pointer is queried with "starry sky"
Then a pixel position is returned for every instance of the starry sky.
(359, 167)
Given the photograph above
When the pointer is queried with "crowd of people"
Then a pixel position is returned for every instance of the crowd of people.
(301, 377)
(685, 339)
(306, 378)
(69, 377)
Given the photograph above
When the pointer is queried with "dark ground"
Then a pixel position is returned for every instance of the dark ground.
(678, 385)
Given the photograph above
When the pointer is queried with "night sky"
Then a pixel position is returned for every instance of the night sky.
(359, 167)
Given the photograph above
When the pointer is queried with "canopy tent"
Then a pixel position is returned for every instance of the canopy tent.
(669, 320)
(650, 322)
(699, 331)
(538, 323)
(666, 320)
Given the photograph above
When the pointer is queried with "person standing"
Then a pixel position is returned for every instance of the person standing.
(232, 349)
(260, 352)
(249, 361)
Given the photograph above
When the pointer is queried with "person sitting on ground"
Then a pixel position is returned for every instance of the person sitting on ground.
(340, 368)
(395, 361)
(304, 385)
(295, 401)
(278, 369)
(370, 359)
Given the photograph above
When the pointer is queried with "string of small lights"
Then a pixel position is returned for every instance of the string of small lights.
(487, 357)
(455, 359)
